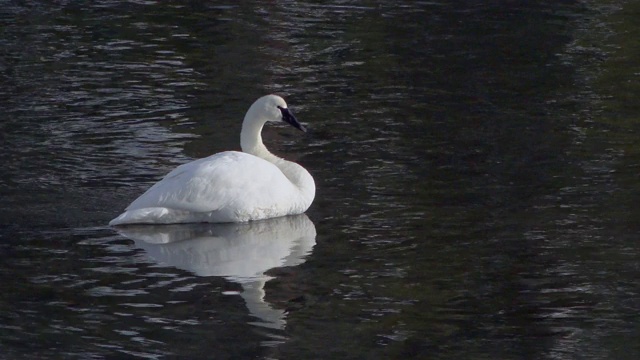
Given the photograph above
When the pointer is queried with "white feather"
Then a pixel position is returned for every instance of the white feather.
(230, 186)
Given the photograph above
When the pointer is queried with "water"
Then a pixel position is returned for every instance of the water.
(476, 167)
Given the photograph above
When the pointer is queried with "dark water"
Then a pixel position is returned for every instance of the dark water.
(476, 164)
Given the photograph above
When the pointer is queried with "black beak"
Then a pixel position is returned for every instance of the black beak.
(288, 117)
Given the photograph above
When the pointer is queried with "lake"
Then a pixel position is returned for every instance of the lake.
(476, 163)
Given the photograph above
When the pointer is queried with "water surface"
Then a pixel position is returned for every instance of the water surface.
(476, 167)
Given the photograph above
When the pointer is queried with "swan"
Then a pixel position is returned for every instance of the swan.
(230, 186)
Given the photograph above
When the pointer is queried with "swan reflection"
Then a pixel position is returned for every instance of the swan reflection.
(240, 252)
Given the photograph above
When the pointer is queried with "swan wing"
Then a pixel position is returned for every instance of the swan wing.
(227, 179)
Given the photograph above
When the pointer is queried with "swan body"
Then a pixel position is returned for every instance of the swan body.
(230, 186)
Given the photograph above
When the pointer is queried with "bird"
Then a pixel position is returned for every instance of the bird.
(230, 186)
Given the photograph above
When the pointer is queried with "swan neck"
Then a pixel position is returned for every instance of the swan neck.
(251, 143)
(251, 137)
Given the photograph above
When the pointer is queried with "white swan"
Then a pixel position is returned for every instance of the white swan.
(230, 186)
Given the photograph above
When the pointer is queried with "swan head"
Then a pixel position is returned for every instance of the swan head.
(273, 108)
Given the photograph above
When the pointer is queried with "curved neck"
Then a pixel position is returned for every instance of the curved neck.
(251, 143)
(251, 135)
(251, 138)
